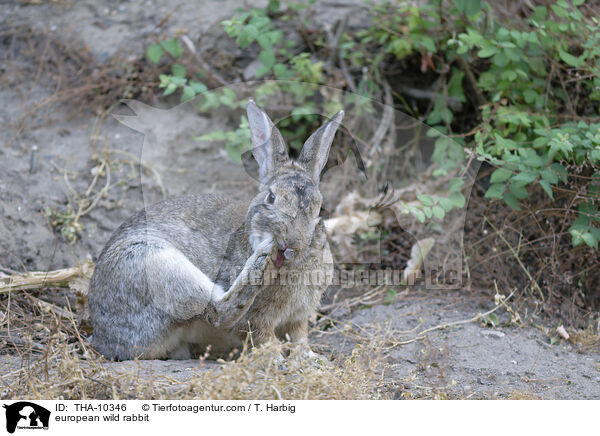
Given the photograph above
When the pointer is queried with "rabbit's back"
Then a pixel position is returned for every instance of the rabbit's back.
(161, 268)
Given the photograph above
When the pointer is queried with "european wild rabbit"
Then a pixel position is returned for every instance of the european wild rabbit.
(195, 271)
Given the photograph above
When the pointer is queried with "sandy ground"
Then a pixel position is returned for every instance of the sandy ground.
(466, 361)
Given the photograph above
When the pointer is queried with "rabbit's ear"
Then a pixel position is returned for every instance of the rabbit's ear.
(315, 152)
(268, 146)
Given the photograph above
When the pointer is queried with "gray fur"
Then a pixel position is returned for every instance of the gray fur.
(178, 276)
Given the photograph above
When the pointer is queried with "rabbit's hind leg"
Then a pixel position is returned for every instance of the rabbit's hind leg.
(177, 286)
(172, 345)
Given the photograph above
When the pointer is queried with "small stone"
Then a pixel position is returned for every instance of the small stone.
(560, 330)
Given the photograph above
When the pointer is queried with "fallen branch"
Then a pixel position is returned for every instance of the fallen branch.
(42, 279)
(22, 343)
(444, 326)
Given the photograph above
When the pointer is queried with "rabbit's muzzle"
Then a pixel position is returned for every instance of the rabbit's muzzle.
(292, 236)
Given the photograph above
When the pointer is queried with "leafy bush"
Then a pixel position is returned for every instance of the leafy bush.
(537, 84)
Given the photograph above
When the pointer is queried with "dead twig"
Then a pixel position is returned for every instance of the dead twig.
(209, 70)
(516, 256)
(444, 326)
(387, 120)
(42, 279)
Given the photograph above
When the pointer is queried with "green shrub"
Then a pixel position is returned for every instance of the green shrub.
(538, 88)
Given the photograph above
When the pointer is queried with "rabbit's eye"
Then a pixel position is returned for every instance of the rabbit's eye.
(270, 199)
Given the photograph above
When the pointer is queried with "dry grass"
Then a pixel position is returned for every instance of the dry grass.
(531, 250)
(586, 339)
(257, 375)
(523, 395)
(68, 369)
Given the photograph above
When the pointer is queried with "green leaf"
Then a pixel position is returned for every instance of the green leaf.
(438, 212)
(178, 70)
(455, 88)
(170, 89)
(524, 177)
(560, 171)
(461, 50)
(457, 199)
(179, 81)
(533, 159)
(519, 190)
(491, 319)
(446, 204)
(154, 53)
(265, 42)
(500, 175)
(590, 240)
(508, 75)
(188, 94)
(570, 59)
(456, 184)
(495, 190)
(576, 237)
(440, 112)
(547, 188)
(198, 87)
(540, 13)
(588, 210)
(282, 72)
(582, 223)
(247, 36)
(469, 7)
(273, 6)
(530, 96)
(425, 199)
(165, 79)
(505, 143)
(233, 152)
(419, 215)
(217, 135)
(512, 201)
(487, 52)
(549, 176)
(428, 43)
(172, 47)
(501, 60)
(228, 97)
(267, 58)
(539, 142)
(513, 54)
(559, 11)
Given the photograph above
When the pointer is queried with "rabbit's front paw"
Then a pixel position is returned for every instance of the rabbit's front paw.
(262, 253)
(265, 246)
